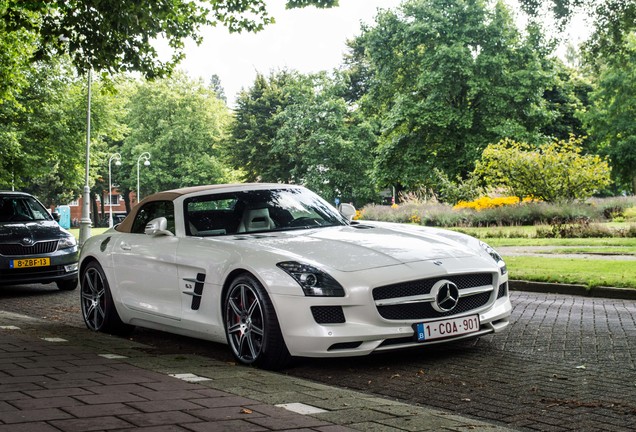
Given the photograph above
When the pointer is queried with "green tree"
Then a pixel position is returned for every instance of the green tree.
(42, 132)
(325, 145)
(180, 122)
(256, 123)
(565, 99)
(613, 21)
(552, 172)
(611, 118)
(444, 78)
(294, 128)
(17, 46)
(217, 87)
(116, 35)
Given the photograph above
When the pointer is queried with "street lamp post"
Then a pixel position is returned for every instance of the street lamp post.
(146, 156)
(85, 222)
(117, 158)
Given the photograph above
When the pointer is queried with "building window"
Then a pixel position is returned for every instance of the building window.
(114, 200)
(73, 203)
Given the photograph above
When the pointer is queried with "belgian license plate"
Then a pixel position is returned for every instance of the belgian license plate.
(30, 262)
(447, 328)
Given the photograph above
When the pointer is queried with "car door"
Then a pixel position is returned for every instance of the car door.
(145, 266)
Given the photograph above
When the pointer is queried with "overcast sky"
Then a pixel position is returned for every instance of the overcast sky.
(307, 40)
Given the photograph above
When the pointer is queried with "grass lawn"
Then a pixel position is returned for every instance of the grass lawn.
(629, 243)
(590, 272)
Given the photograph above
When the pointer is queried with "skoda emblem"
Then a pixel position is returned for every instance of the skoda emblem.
(27, 241)
(446, 295)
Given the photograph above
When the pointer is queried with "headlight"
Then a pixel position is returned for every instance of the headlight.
(66, 242)
(314, 282)
(495, 255)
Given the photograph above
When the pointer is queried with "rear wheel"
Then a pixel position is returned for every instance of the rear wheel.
(252, 327)
(97, 304)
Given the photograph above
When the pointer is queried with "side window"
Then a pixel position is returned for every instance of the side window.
(153, 210)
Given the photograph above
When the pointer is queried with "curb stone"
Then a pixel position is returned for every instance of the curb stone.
(573, 289)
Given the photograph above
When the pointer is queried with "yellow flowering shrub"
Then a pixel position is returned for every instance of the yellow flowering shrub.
(486, 202)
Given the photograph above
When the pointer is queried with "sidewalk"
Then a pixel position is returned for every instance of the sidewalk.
(61, 378)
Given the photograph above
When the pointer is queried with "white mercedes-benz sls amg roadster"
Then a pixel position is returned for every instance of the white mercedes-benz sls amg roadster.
(276, 272)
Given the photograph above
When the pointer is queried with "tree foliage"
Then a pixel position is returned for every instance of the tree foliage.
(180, 122)
(327, 147)
(43, 132)
(256, 124)
(552, 172)
(444, 78)
(613, 20)
(294, 128)
(17, 46)
(611, 117)
(117, 35)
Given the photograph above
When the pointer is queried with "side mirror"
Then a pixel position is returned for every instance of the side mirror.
(158, 226)
(56, 216)
(347, 210)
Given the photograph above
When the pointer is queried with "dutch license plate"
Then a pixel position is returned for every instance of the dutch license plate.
(30, 262)
(447, 328)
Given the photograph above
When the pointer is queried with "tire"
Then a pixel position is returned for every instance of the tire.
(67, 285)
(97, 304)
(251, 325)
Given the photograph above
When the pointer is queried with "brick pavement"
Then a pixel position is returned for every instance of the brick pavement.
(54, 378)
(565, 364)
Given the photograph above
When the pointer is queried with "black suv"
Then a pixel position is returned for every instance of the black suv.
(33, 246)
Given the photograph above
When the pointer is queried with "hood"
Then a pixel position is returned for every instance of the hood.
(363, 247)
(17, 232)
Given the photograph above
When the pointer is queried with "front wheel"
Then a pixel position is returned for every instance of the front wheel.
(251, 325)
(97, 304)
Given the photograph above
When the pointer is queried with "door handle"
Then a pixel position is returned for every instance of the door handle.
(125, 246)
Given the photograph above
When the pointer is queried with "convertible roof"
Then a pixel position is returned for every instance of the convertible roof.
(171, 195)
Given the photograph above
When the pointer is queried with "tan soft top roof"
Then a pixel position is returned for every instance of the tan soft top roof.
(171, 195)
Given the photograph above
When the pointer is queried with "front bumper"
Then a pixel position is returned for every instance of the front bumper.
(358, 336)
(64, 266)
(360, 323)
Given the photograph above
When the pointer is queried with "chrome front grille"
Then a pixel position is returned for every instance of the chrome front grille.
(16, 249)
(413, 300)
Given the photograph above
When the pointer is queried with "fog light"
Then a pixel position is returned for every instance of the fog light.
(71, 267)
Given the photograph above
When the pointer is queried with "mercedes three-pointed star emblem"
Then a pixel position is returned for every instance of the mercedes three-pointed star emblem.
(446, 295)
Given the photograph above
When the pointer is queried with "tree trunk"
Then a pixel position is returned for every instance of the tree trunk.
(126, 196)
(94, 209)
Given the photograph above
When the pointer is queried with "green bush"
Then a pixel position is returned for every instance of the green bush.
(616, 209)
(575, 219)
(578, 229)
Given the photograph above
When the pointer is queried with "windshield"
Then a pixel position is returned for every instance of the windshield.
(258, 211)
(22, 209)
